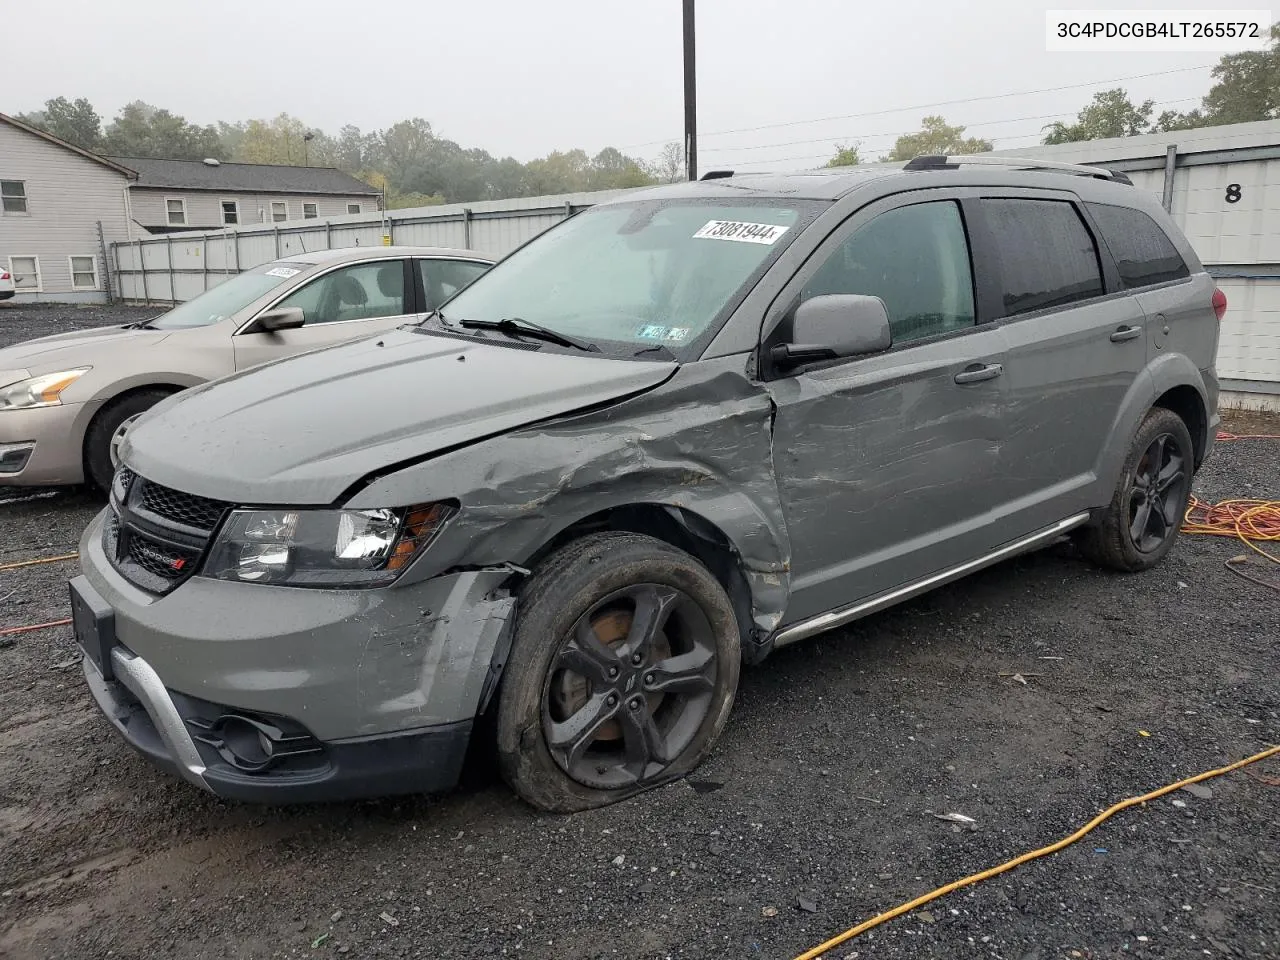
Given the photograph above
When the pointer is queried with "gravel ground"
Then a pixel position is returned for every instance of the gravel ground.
(814, 812)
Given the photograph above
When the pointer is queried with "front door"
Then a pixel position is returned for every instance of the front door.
(346, 303)
(885, 463)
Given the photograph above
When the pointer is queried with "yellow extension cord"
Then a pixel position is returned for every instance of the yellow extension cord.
(1024, 858)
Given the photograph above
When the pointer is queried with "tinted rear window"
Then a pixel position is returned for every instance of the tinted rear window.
(1047, 257)
(1143, 252)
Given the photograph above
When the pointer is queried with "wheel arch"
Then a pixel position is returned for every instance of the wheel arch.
(684, 529)
(106, 405)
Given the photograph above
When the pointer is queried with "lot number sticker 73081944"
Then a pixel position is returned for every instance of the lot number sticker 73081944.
(765, 233)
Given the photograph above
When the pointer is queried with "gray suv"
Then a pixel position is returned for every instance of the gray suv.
(666, 437)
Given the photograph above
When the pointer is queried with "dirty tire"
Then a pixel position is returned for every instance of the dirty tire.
(567, 591)
(1111, 542)
(97, 441)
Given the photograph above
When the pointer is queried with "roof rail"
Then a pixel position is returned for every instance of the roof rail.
(716, 175)
(939, 162)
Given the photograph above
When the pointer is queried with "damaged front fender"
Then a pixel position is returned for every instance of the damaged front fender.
(702, 442)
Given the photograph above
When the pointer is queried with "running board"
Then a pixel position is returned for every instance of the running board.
(838, 618)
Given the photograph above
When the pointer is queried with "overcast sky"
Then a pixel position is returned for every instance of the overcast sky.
(524, 78)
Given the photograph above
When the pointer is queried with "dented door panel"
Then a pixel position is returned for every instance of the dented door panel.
(886, 468)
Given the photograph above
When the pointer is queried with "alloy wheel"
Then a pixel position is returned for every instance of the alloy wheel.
(629, 686)
(1157, 493)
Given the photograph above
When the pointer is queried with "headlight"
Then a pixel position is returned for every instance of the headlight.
(43, 391)
(322, 548)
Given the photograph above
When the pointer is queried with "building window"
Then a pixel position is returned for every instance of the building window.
(13, 196)
(309, 211)
(353, 208)
(279, 211)
(176, 208)
(84, 273)
(26, 274)
(230, 212)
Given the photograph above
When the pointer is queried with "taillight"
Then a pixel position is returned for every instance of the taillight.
(4, 274)
(1219, 303)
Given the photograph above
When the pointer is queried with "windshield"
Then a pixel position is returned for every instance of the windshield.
(645, 274)
(220, 302)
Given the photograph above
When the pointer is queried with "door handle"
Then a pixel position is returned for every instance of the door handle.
(1126, 333)
(976, 374)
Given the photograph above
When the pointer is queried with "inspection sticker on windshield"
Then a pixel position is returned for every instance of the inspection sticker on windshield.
(285, 272)
(656, 331)
(765, 233)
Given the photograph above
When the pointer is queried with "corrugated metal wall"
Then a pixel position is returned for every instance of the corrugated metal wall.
(180, 266)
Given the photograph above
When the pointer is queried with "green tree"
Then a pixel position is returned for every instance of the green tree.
(72, 120)
(936, 137)
(846, 156)
(141, 130)
(1172, 120)
(282, 141)
(558, 172)
(611, 169)
(405, 147)
(1247, 85)
(1111, 114)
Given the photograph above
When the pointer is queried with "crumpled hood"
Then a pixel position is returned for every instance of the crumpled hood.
(303, 430)
(75, 348)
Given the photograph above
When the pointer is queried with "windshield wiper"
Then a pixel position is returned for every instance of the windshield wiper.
(518, 327)
(664, 352)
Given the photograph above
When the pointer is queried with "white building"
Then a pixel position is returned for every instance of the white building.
(60, 207)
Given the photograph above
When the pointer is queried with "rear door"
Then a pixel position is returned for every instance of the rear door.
(438, 278)
(1076, 344)
(1179, 310)
(348, 302)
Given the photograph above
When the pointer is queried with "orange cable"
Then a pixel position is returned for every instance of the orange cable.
(1034, 854)
(35, 626)
(32, 563)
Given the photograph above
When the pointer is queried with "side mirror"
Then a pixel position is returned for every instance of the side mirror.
(281, 318)
(835, 325)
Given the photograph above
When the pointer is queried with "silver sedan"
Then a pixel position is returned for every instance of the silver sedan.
(66, 400)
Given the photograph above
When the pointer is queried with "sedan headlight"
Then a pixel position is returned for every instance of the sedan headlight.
(43, 391)
(322, 548)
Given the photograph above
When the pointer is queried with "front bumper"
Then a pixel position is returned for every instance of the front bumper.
(376, 678)
(57, 434)
(150, 719)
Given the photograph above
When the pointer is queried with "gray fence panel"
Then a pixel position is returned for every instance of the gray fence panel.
(202, 259)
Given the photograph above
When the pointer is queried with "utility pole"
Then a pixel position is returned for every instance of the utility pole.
(306, 138)
(690, 96)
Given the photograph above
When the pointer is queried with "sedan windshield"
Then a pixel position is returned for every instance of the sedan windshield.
(220, 302)
(645, 274)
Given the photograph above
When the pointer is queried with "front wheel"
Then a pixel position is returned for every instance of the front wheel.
(1142, 521)
(623, 671)
(107, 430)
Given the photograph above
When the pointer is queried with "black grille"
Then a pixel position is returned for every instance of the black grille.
(155, 536)
(184, 508)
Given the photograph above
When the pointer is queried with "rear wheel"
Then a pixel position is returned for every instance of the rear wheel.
(1142, 521)
(102, 440)
(622, 674)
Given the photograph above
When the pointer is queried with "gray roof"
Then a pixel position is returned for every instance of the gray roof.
(243, 177)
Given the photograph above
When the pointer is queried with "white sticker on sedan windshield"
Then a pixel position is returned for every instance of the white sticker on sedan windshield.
(285, 272)
(765, 233)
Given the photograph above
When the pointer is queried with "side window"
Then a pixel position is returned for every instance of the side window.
(1047, 257)
(362, 291)
(438, 280)
(1143, 252)
(915, 259)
